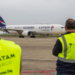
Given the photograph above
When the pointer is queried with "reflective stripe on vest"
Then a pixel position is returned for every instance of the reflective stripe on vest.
(65, 52)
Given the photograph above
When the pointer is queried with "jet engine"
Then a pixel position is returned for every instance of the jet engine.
(26, 33)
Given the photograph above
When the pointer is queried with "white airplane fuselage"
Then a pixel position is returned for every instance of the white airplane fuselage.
(31, 30)
(38, 29)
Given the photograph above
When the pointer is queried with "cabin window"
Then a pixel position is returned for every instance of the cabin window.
(62, 27)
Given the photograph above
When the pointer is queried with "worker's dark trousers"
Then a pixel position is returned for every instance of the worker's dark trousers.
(63, 74)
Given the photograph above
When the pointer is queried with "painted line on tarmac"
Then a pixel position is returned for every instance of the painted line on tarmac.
(43, 72)
(46, 73)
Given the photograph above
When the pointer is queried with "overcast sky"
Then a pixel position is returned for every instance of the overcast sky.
(37, 11)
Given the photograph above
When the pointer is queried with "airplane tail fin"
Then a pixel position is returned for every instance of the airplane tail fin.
(2, 23)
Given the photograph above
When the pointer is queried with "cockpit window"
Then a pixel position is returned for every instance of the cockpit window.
(62, 27)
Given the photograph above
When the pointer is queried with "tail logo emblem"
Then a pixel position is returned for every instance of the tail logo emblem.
(0, 21)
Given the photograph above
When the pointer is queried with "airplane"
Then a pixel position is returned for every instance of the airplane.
(31, 30)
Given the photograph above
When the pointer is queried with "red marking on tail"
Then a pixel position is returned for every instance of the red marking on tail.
(0, 21)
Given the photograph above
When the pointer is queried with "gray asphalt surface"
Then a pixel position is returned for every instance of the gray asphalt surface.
(37, 58)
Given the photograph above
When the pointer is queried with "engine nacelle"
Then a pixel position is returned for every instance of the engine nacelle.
(26, 33)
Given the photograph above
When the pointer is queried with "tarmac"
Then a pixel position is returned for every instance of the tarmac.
(37, 58)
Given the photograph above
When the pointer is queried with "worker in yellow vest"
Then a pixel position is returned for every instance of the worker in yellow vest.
(10, 58)
(65, 50)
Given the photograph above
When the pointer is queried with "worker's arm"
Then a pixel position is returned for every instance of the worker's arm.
(57, 48)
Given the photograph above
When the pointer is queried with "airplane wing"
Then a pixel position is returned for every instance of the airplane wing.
(21, 32)
(4, 30)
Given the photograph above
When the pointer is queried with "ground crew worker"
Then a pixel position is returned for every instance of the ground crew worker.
(65, 50)
(10, 58)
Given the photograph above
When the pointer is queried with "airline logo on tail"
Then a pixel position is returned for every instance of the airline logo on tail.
(0, 21)
(2, 24)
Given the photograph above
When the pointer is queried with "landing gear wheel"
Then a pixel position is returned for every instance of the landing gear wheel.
(21, 36)
(47, 34)
(32, 36)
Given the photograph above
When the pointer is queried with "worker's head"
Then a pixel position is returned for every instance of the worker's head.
(70, 25)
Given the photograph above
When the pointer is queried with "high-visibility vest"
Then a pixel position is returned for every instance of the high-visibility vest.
(10, 58)
(68, 48)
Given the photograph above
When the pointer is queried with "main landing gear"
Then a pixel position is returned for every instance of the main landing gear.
(32, 36)
(21, 36)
